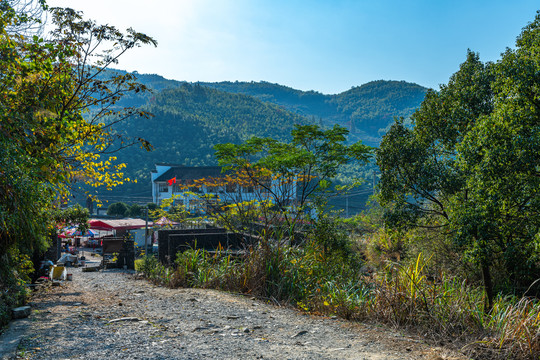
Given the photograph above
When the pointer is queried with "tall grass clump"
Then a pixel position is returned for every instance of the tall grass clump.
(153, 270)
(445, 308)
(516, 327)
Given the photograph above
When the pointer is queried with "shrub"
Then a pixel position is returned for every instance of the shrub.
(139, 264)
(15, 270)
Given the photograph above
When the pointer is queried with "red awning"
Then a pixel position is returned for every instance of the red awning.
(120, 224)
(99, 225)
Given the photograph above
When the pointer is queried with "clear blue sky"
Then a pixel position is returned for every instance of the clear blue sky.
(327, 46)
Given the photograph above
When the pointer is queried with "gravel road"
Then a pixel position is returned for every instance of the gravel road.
(113, 314)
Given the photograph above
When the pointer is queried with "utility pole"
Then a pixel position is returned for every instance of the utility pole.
(146, 232)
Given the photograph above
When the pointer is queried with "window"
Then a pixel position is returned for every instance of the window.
(163, 187)
(266, 186)
(230, 188)
(177, 188)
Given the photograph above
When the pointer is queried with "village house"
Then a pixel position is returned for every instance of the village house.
(171, 179)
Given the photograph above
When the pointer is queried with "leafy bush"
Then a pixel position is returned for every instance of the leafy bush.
(15, 270)
(139, 264)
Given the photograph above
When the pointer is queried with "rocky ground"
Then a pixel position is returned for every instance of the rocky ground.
(113, 314)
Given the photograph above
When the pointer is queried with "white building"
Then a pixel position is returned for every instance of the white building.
(171, 179)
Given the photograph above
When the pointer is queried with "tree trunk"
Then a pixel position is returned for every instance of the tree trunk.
(488, 287)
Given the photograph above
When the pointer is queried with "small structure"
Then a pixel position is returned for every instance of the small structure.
(123, 248)
(163, 188)
(120, 228)
(171, 242)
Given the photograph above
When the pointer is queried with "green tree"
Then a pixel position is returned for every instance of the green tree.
(468, 166)
(501, 155)
(151, 206)
(134, 210)
(75, 215)
(303, 167)
(118, 209)
(57, 116)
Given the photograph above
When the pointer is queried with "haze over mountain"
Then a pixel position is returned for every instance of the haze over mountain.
(189, 119)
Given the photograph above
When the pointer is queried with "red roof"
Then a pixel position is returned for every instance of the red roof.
(120, 224)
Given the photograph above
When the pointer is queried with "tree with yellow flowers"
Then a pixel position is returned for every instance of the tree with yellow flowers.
(57, 116)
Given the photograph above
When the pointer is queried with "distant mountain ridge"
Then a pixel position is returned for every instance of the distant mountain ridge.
(366, 110)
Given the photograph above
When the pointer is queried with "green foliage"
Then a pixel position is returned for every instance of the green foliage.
(169, 209)
(191, 118)
(307, 165)
(121, 209)
(331, 236)
(15, 271)
(365, 110)
(154, 270)
(135, 211)
(139, 265)
(469, 166)
(47, 144)
(117, 209)
(71, 216)
(49, 140)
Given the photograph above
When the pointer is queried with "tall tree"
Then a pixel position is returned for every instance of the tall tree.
(305, 165)
(57, 113)
(469, 165)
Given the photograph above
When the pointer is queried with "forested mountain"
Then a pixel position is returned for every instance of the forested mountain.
(366, 110)
(189, 119)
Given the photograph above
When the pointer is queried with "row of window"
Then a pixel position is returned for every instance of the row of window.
(164, 187)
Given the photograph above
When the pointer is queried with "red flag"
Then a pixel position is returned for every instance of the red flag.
(172, 181)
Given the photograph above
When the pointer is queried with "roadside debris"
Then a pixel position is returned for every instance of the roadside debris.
(21, 312)
(130, 318)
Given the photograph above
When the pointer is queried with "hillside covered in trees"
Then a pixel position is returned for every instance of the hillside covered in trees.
(365, 110)
(189, 119)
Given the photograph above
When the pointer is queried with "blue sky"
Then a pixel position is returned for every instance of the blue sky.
(327, 46)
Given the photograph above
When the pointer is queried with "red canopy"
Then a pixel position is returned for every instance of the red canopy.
(121, 224)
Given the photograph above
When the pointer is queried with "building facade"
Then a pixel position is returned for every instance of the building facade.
(182, 182)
